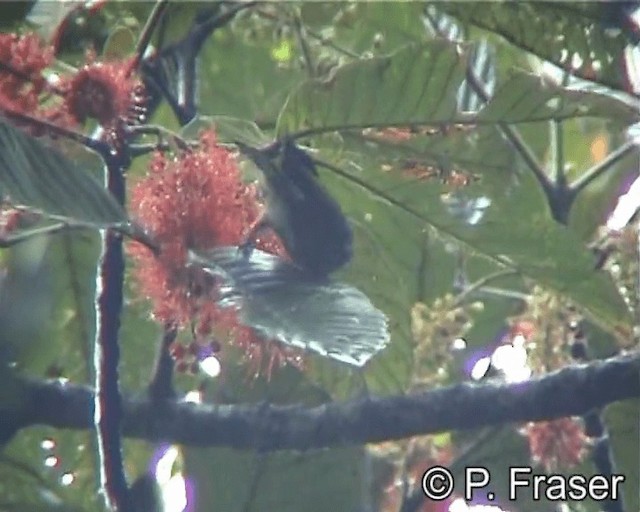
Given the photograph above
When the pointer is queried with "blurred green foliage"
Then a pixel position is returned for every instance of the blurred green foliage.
(332, 69)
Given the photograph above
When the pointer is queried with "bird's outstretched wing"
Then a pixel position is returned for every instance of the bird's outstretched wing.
(283, 302)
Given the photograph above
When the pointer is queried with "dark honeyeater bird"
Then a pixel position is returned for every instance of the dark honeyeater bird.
(308, 221)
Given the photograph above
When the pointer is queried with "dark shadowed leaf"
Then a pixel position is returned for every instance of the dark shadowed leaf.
(282, 302)
(38, 177)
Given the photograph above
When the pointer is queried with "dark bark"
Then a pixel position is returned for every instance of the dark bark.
(571, 391)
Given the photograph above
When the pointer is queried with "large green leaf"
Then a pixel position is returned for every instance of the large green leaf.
(38, 177)
(526, 97)
(243, 481)
(588, 36)
(515, 230)
(418, 84)
(535, 246)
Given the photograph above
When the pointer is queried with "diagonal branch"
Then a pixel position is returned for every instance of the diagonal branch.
(601, 167)
(573, 390)
(516, 140)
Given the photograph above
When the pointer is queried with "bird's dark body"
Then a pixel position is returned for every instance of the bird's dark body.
(310, 223)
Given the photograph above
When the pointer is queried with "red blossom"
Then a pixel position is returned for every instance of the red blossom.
(22, 61)
(197, 201)
(105, 91)
(22, 83)
(557, 443)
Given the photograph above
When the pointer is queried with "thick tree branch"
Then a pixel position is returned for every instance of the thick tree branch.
(573, 390)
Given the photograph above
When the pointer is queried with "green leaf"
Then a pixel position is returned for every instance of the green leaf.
(623, 425)
(26, 299)
(526, 97)
(119, 44)
(315, 481)
(228, 84)
(372, 27)
(588, 36)
(38, 177)
(597, 201)
(418, 84)
(513, 229)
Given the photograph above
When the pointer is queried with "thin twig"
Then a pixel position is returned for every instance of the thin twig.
(557, 142)
(300, 32)
(514, 137)
(159, 131)
(483, 281)
(28, 234)
(96, 145)
(557, 150)
(258, 471)
(597, 170)
(147, 31)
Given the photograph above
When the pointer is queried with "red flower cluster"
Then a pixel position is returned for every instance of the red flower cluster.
(557, 443)
(197, 201)
(22, 61)
(104, 91)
